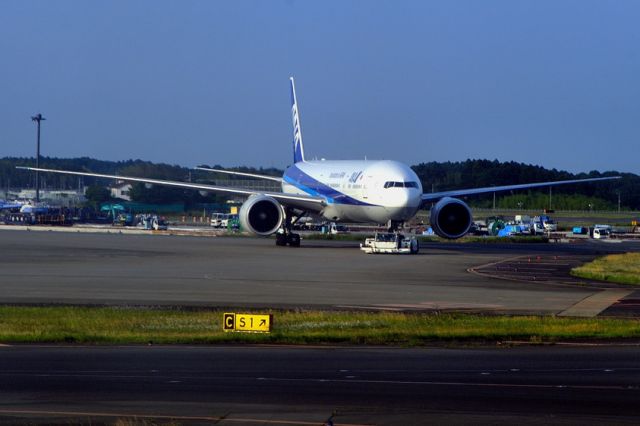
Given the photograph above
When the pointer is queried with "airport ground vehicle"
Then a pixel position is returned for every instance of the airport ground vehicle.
(228, 220)
(390, 243)
(149, 221)
(600, 232)
(479, 227)
(537, 227)
(159, 224)
(548, 223)
(334, 229)
(231, 221)
(218, 218)
(40, 215)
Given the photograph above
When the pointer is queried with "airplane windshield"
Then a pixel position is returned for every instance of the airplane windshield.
(400, 184)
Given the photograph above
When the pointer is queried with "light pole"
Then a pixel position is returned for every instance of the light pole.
(618, 201)
(38, 118)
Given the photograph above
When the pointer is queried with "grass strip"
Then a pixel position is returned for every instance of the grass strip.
(616, 268)
(114, 325)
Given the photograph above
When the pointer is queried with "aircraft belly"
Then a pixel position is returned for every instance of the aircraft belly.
(351, 213)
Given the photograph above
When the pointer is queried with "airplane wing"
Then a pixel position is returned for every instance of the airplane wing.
(253, 175)
(304, 202)
(434, 196)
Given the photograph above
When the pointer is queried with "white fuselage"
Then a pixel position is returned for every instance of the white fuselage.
(358, 191)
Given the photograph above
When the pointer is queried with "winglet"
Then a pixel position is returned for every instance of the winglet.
(298, 148)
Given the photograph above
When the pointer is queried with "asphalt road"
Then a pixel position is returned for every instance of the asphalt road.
(306, 386)
(59, 267)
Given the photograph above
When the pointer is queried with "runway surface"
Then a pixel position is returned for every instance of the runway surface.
(306, 386)
(80, 268)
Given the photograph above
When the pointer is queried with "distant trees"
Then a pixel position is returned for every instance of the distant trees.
(480, 173)
(539, 201)
(434, 176)
(155, 194)
(97, 194)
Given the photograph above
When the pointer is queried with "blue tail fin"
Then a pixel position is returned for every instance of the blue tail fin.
(298, 149)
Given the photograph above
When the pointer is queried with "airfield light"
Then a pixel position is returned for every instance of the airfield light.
(38, 118)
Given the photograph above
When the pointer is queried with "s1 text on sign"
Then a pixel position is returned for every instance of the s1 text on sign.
(252, 323)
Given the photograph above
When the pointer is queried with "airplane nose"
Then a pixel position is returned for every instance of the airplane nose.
(408, 197)
(405, 204)
(405, 197)
(415, 197)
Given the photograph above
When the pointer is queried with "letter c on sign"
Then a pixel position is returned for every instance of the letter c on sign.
(229, 320)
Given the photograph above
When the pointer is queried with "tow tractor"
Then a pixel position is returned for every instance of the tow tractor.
(390, 243)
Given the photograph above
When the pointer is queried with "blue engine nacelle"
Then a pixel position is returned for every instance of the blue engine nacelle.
(451, 218)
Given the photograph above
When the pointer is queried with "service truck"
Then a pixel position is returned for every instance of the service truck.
(390, 243)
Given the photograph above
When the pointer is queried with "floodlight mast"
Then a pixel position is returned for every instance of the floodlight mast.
(38, 118)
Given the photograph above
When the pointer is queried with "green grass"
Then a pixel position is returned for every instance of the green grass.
(164, 326)
(616, 268)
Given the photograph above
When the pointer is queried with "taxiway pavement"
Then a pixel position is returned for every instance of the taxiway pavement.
(81, 268)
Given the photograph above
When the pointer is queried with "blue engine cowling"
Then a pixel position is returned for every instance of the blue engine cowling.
(451, 218)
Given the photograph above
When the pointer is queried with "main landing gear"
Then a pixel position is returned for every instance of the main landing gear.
(284, 238)
(284, 235)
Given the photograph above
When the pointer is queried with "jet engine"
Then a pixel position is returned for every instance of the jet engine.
(450, 218)
(261, 215)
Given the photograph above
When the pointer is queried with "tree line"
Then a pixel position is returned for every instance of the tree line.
(445, 176)
(435, 177)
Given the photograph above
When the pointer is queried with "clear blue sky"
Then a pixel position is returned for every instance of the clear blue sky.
(554, 83)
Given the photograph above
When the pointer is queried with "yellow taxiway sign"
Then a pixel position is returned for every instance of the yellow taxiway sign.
(253, 323)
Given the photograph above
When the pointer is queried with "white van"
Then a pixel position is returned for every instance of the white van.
(601, 231)
(218, 218)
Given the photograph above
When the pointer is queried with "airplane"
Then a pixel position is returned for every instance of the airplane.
(10, 205)
(356, 191)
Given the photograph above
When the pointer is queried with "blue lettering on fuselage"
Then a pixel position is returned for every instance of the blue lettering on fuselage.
(354, 176)
(296, 177)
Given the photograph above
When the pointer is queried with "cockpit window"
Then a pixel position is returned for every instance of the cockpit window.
(400, 184)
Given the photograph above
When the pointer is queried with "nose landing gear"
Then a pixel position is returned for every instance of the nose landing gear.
(394, 225)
